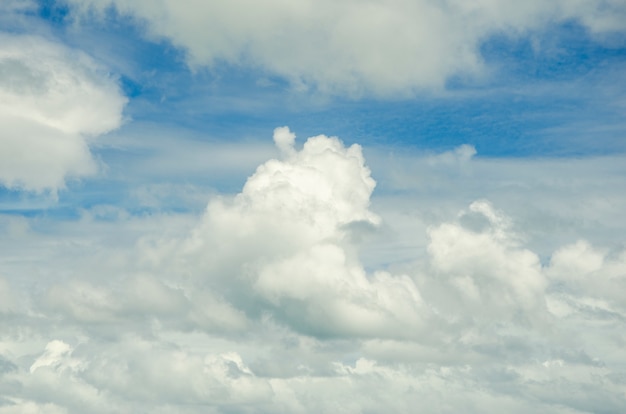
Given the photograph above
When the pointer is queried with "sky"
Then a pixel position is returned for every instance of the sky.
(312, 206)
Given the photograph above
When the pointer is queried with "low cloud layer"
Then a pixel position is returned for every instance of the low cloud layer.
(264, 304)
(386, 48)
(53, 101)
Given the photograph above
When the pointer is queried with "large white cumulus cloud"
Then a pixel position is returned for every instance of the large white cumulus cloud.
(264, 305)
(52, 101)
(380, 47)
(285, 240)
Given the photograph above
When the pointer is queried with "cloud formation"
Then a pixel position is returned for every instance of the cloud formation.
(264, 305)
(53, 101)
(290, 230)
(385, 48)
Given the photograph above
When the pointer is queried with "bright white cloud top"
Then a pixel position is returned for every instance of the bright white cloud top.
(158, 253)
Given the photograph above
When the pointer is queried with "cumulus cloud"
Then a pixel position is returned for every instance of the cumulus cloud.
(285, 242)
(265, 304)
(380, 47)
(487, 265)
(53, 100)
(589, 279)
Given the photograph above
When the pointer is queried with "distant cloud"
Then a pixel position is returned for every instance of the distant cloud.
(53, 100)
(353, 47)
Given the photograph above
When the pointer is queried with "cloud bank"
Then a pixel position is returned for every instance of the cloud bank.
(265, 305)
(53, 101)
(385, 48)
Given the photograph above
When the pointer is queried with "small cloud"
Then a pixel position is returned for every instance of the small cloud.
(285, 140)
(457, 157)
(52, 99)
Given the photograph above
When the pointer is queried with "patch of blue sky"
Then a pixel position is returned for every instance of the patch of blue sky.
(524, 111)
(503, 124)
(562, 52)
(569, 87)
(53, 11)
(560, 92)
(564, 96)
(562, 100)
(23, 203)
(87, 197)
(554, 93)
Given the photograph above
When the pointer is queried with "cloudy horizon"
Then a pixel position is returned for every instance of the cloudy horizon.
(294, 207)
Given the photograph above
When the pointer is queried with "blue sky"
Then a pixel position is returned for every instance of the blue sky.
(568, 76)
(171, 239)
(556, 92)
(527, 94)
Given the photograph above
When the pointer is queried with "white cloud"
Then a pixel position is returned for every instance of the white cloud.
(285, 242)
(53, 100)
(487, 265)
(264, 302)
(553, 201)
(57, 355)
(380, 47)
(595, 277)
